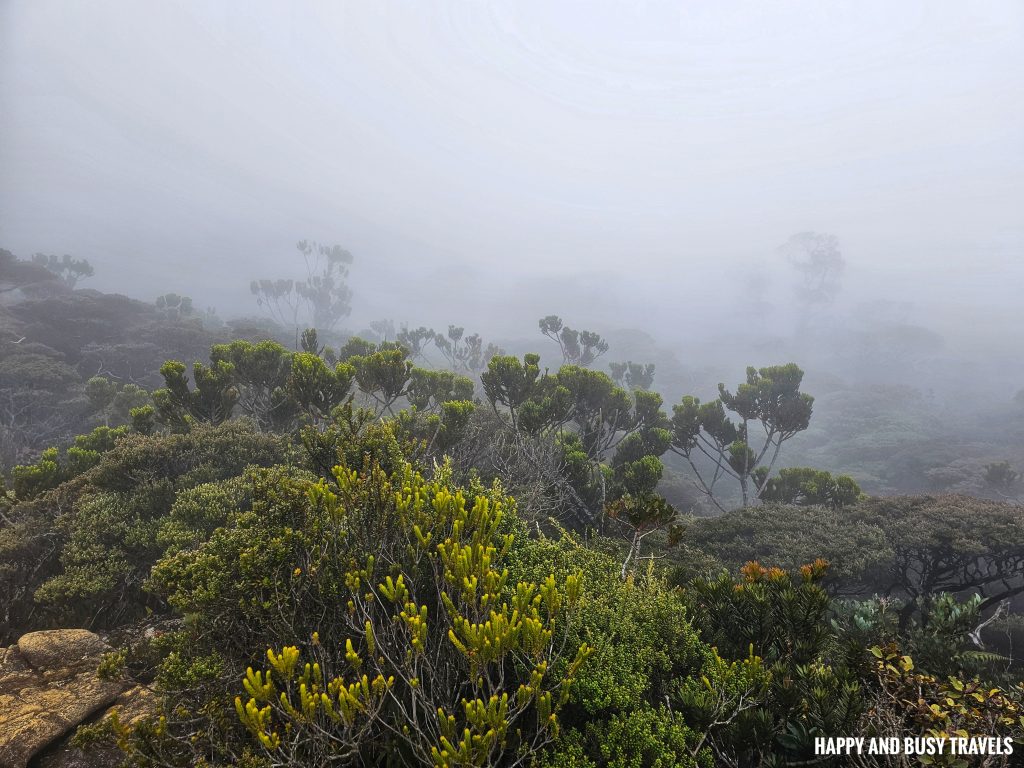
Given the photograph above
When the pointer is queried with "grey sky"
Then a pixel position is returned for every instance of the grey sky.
(186, 146)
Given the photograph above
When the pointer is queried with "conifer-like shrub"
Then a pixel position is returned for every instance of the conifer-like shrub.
(778, 619)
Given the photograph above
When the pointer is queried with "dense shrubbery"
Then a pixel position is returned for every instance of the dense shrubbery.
(363, 561)
(78, 551)
(393, 588)
(913, 548)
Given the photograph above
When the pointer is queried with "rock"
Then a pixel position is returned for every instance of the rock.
(61, 648)
(135, 704)
(14, 670)
(48, 685)
(131, 706)
(38, 716)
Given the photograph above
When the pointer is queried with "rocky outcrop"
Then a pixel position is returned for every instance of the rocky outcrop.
(58, 649)
(49, 685)
(135, 704)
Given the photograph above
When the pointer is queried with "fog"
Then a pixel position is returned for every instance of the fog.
(626, 165)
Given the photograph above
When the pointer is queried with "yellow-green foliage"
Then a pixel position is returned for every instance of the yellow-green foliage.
(52, 468)
(443, 660)
(356, 438)
(652, 736)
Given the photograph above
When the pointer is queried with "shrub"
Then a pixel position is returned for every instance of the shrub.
(54, 466)
(806, 486)
(789, 536)
(909, 701)
(946, 543)
(396, 629)
(80, 552)
(644, 649)
(782, 618)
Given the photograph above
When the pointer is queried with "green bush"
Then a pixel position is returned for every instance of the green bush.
(644, 648)
(393, 628)
(54, 467)
(806, 486)
(79, 552)
(789, 536)
(811, 690)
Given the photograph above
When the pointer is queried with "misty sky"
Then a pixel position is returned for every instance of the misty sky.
(657, 151)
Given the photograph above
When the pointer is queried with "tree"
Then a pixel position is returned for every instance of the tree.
(173, 306)
(40, 400)
(633, 375)
(325, 290)
(428, 390)
(415, 339)
(261, 372)
(600, 410)
(383, 329)
(465, 353)
(279, 299)
(803, 485)
(517, 385)
(309, 341)
(591, 419)
(69, 270)
(384, 375)
(114, 402)
(642, 516)
(1003, 479)
(18, 274)
(324, 293)
(947, 543)
(431, 435)
(820, 264)
(316, 388)
(354, 347)
(578, 347)
(211, 400)
(770, 398)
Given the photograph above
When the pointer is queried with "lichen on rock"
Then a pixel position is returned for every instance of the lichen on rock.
(48, 686)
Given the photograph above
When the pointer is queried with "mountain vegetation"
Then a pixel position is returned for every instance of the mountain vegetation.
(416, 549)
